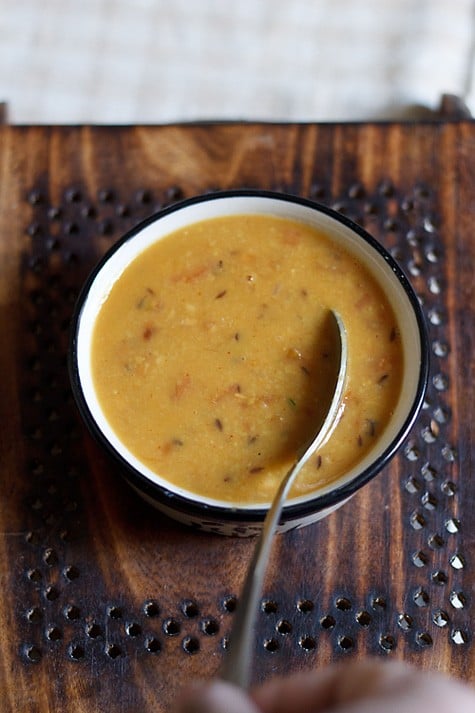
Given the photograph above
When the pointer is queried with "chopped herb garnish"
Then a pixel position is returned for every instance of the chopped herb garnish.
(169, 446)
(146, 301)
(291, 402)
(220, 294)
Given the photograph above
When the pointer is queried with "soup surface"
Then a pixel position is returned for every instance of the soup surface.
(212, 356)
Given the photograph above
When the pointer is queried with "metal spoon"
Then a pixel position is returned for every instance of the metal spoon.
(237, 663)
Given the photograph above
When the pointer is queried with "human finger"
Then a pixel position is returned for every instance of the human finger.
(364, 687)
(214, 697)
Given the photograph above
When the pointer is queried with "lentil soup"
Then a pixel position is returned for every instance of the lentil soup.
(212, 355)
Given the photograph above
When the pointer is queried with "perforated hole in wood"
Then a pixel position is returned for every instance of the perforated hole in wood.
(65, 239)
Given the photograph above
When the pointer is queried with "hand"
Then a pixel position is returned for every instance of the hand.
(356, 687)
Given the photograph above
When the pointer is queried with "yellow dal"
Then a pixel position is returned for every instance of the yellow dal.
(211, 358)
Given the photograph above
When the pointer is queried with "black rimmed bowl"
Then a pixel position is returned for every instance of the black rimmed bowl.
(221, 516)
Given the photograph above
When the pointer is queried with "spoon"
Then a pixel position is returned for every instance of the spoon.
(236, 667)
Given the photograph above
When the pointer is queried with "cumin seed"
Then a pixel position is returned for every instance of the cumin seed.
(371, 426)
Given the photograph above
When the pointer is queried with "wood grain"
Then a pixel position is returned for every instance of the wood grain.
(83, 560)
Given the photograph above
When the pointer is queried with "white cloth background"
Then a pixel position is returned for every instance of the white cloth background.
(155, 61)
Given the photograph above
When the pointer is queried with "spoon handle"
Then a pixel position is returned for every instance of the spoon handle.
(236, 667)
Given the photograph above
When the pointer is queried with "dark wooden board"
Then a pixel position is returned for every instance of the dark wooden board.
(105, 604)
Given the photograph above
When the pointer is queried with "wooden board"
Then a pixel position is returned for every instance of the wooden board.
(105, 604)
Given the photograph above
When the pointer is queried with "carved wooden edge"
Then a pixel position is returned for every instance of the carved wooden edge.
(453, 107)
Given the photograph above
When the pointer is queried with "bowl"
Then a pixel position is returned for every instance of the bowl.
(214, 513)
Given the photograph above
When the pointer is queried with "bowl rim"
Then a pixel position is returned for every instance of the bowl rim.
(228, 512)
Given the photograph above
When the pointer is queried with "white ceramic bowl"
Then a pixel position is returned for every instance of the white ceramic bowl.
(219, 516)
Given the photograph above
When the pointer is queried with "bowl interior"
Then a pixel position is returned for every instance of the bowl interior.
(354, 239)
